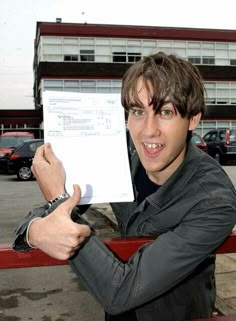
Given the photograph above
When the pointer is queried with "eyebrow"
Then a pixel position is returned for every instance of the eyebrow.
(167, 102)
(134, 106)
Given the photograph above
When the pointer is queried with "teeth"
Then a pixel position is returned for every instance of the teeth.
(152, 146)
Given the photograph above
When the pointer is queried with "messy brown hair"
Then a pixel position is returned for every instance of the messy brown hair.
(165, 76)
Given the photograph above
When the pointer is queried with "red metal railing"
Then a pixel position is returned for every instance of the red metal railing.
(123, 247)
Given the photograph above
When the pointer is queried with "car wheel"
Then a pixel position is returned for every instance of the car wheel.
(24, 173)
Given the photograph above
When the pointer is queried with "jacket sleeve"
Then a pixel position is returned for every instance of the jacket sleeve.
(156, 267)
(19, 242)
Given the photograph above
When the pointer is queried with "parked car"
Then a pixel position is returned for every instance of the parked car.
(20, 160)
(199, 142)
(9, 141)
(221, 144)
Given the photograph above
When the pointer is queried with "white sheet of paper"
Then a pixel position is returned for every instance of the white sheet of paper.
(87, 133)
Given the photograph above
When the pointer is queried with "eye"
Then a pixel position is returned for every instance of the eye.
(166, 113)
(138, 112)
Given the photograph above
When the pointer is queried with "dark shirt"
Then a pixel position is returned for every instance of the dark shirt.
(144, 186)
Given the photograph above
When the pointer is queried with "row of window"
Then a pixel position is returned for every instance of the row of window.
(206, 125)
(89, 56)
(203, 127)
(3, 127)
(129, 57)
(129, 50)
(217, 92)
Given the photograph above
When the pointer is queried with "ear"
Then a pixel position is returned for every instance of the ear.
(194, 121)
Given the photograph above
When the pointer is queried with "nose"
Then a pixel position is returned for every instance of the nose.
(151, 127)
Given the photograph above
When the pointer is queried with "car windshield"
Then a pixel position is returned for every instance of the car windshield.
(233, 135)
(12, 141)
(18, 148)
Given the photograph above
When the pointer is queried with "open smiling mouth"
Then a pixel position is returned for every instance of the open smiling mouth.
(152, 150)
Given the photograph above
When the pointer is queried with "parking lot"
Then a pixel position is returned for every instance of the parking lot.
(17, 198)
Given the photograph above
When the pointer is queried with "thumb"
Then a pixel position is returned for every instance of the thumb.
(73, 200)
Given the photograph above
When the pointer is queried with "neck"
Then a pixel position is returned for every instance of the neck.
(156, 180)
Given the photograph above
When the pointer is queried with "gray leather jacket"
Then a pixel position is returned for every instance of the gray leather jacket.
(171, 278)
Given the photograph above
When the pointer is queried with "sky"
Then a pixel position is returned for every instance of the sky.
(18, 26)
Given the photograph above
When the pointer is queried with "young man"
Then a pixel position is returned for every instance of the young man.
(182, 196)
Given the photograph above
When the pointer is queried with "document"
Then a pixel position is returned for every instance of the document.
(87, 133)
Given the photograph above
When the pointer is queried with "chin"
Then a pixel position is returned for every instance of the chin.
(151, 167)
(155, 164)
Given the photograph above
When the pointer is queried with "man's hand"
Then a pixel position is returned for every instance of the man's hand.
(56, 234)
(49, 172)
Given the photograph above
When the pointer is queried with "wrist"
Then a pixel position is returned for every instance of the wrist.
(58, 199)
(51, 196)
(29, 239)
(54, 203)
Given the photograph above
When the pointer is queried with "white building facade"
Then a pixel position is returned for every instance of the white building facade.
(93, 58)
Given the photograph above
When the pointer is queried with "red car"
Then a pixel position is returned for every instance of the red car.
(199, 142)
(9, 141)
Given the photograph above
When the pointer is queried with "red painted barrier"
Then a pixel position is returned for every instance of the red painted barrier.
(123, 247)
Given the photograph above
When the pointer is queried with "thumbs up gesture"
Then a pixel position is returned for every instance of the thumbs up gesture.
(56, 234)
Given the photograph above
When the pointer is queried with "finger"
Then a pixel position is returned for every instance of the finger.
(84, 232)
(73, 200)
(38, 158)
(40, 152)
(49, 154)
(76, 248)
(32, 169)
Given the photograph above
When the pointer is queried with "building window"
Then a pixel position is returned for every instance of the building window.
(86, 55)
(6, 126)
(71, 85)
(70, 57)
(195, 60)
(133, 57)
(208, 60)
(126, 57)
(210, 101)
(88, 86)
(119, 56)
(131, 50)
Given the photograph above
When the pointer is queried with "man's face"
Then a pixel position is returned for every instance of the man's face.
(160, 139)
